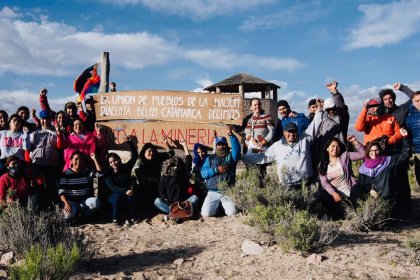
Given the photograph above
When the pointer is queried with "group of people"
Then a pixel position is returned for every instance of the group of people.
(55, 159)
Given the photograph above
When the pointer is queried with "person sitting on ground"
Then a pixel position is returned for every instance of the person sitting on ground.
(291, 154)
(174, 184)
(286, 115)
(4, 117)
(13, 142)
(147, 171)
(336, 174)
(383, 128)
(19, 184)
(377, 173)
(44, 154)
(75, 187)
(200, 155)
(118, 181)
(220, 167)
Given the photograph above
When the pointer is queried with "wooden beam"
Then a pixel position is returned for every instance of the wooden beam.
(105, 68)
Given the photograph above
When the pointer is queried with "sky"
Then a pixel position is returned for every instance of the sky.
(190, 44)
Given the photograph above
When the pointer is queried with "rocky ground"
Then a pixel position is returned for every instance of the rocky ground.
(211, 248)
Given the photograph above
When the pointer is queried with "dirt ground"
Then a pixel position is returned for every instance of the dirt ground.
(210, 248)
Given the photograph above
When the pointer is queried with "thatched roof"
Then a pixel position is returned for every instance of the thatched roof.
(250, 84)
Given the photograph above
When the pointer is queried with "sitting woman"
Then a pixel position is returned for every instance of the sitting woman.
(173, 185)
(75, 187)
(377, 174)
(118, 180)
(19, 184)
(147, 172)
(200, 155)
(336, 174)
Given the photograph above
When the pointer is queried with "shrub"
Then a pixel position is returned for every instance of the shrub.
(21, 228)
(413, 243)
(371, 214)
(297, 230)
(54, 263)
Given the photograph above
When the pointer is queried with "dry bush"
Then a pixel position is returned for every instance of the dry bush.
(21, 228)
(371, 214)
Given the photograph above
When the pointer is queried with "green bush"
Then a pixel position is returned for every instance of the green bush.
(297, 230)
(52, 263)
(371, 214)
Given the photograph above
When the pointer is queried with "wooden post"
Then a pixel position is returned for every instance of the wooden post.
(103, 88)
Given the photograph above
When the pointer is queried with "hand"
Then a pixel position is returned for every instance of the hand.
(332, 87)
(351, 138)
(336, 196)
(79, 106)
(292, 114)
(183, 143)
(248, 137)
(33, 112)
(43, 92)
(320, 103)
(403, 132)
(222, 169)
(214, 134)
(98, 128)
(67, 207)
(373, 193)
(93, 156)
(165, 140)
(397, 86)
(131, 138)
(130, 193)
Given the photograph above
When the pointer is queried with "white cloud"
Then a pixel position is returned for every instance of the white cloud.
(196, 9)
(43, 47)
(12, 99)
(299, 13)
(9, 13)
(385, 24)
(203, 84)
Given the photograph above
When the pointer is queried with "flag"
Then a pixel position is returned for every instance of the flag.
(87, 82)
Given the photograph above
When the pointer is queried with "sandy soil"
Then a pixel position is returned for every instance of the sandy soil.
(210, 248)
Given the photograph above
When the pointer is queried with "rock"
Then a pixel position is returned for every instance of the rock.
(3, 274)
(250, 247)
(179, 262)
(7, 259)
(315, 259)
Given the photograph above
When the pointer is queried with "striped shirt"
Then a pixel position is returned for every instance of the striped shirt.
(77, 187)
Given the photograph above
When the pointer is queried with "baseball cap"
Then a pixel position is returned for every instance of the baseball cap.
(290, 126)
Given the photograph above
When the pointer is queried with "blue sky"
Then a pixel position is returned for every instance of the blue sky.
(190, 44)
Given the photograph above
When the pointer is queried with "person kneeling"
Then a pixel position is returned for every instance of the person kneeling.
(75, 187)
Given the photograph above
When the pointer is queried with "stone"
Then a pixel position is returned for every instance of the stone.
(250, 247)
(7, 259)
(179, 262)
(315, 259)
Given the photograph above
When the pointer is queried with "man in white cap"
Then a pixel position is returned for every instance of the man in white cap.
(291, 153)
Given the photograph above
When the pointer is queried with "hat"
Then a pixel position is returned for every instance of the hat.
(221, 140)
(290, 126)
(329, 103)
(373, 102)
(312, 102)
(283, 103)
(44, 114)
(70, 104)
(89, 100)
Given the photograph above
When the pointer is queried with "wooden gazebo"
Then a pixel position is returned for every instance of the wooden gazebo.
(244, 83)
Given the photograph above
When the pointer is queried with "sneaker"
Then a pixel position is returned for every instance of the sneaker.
(135, 221)
(128, 223)
(165, 218)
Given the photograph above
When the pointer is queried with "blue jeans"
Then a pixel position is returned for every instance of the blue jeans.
(86, 208)
(163, 206)
(117, 199)
(212, 202)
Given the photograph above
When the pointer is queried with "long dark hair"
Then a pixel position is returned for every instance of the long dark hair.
(144, 148)
(325, 157)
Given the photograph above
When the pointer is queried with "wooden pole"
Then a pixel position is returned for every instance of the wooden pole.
(105, 66)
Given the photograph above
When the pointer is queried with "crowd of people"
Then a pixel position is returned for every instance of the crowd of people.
(55, 158)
